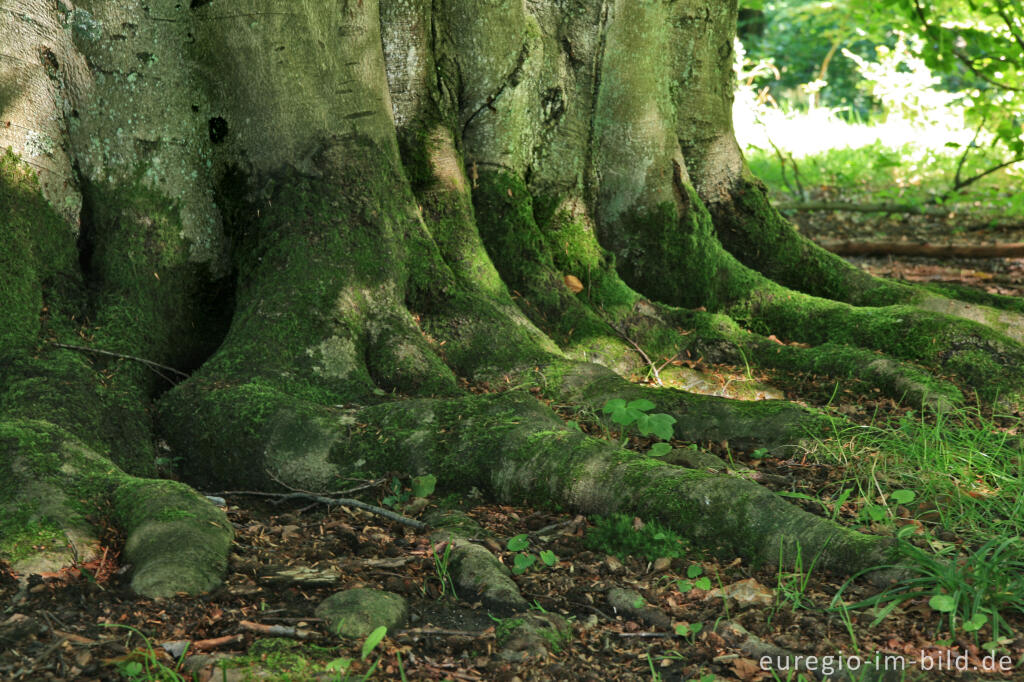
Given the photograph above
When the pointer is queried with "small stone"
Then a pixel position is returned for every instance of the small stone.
(630, 603)
(662, 564)
(20, 626)
(613, 564)
(358, 612)
(290, 531)
(747, 592)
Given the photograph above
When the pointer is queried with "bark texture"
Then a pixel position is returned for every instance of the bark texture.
(330, 217)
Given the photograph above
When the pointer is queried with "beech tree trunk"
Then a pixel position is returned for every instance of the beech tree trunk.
(275, 241)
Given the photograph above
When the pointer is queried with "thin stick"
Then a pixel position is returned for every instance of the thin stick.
(337, 502)
(216, 642)
(554, 526)
(646, 358)
(276, 630)
(149, 363)
(443, 632)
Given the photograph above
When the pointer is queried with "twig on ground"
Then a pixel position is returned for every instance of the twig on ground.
(334, 501)
(443, 632)
(216, 642)
(847, 248)
(556, 526)
(646, 358)
(276, 630)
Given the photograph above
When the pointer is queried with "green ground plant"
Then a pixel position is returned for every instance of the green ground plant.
(144, 664)
(969, 592)
(689, 631)
(419, 486)
(637, 413)
(952, 478)
(523, 560)
(957, 472)
(621, 536)
(694, 578)
(442, 569)
(340, 666)
(791, 586)
(831, 507)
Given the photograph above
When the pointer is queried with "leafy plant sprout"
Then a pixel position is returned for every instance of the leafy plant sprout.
(522, 560)
(636, 412)
(340, 666)
(442, 569)
(970, 592)
(147, 666)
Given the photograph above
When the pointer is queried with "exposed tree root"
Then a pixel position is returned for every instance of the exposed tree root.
(176, 540)
(587, 323)
(512, 448)
(848, 248)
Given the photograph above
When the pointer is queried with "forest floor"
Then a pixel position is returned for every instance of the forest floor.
(84, 624)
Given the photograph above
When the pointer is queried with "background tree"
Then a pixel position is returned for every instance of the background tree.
(335, 218)
(966, 55)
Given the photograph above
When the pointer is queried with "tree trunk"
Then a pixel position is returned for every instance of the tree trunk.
(333, 216)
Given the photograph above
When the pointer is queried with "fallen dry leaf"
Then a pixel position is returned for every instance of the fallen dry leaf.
(574, 284)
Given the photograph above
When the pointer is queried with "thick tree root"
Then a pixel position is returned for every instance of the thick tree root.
(509, 446)
(774, 424)
(176, 540)
(600, 322)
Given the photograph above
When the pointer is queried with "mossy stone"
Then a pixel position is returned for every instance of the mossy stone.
(358, 612)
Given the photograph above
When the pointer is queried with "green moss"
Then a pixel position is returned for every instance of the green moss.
(62, 388)
(323, 280)
(525, 257)
(739, 517)
(177, 540)
(23, 534)
(285, 659)
(898, 380)
(972, 295)
(36, 256)
(750, 227)
(981, 357)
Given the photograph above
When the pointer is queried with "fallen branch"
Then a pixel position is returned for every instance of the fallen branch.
(176, 649)
(337, 502)
(849, 207)
(276, 630)
(639, 350)
(578, 519)
(1012, 250)
(446, 633)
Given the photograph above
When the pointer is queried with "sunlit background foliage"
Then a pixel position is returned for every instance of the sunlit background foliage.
(915, 101)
